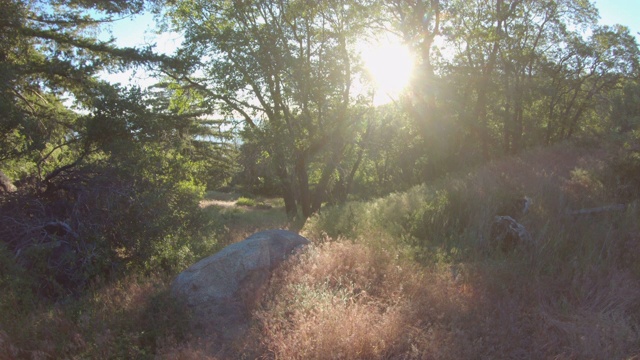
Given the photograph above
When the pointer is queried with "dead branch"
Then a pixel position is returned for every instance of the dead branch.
(590, 211)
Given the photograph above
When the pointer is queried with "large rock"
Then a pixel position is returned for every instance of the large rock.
(221, 289)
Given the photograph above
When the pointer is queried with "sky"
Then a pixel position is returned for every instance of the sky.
(625, 12)
(135, 32)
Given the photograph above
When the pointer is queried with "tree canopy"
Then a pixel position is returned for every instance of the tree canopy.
(490, 78)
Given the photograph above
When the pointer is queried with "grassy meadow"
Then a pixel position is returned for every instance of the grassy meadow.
(405, 276)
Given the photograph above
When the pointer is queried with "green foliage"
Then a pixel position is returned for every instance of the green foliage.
(122, 195)
(111, 185)
(244, 201)
(625, 107)
(16, 283)
(133, 317)
(427, 219)
(257, 167)
(49, 53)
(625, 177)
(118, 224)
(585, 186)
(275, 52)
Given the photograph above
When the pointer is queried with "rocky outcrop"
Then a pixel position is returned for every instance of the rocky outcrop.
(507, 234)
(220, 290)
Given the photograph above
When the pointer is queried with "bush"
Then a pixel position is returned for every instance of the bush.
(428, 219)
(626, 169)
(104, 225)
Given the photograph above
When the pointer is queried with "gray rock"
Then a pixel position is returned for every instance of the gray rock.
(221, 289)
(507, 234)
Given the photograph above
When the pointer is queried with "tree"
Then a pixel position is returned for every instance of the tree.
(624, 109)
(581, 72)
(108, 174)
(480, 35)
(285, 70)
(530, 36)
(523, 68)
(419, 22)
(47, 54)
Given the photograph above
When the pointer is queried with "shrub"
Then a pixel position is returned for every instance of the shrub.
(428, 219)
(626, 169)
(102, 224)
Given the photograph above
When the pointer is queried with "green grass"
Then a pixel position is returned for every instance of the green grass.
(244, 201)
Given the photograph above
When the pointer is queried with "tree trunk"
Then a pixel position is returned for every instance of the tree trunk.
(288, 192)
(304, 195)
(352, 175)
(518, 127)
(320, 194)
(288, 195)
(485, 80)
(508, 117)
(506, 131)
(481, 115)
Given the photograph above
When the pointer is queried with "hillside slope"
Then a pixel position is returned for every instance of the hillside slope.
(410, 275)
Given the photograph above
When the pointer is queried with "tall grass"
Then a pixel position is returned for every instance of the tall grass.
(410, 275)
(345, 300)
(407, 276)
(576, 294)
(132, 318)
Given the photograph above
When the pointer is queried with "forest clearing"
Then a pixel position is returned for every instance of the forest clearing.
(445, 179)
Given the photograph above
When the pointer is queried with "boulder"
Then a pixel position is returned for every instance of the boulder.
(221, 289)
(507, 234)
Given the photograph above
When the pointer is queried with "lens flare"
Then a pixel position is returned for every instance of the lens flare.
(390, 66)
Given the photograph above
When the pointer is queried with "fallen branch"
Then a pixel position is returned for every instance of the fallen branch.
(589, 211)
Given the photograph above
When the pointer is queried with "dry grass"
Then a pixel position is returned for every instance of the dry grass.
(576, 295)
(128, 319)
(402, 277)
(344, 300)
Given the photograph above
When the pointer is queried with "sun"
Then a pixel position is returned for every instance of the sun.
(390, 66)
